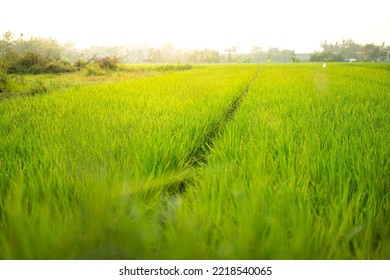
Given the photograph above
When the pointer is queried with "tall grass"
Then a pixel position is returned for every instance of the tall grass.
(302, 172)
(157, 169)
(82, 170)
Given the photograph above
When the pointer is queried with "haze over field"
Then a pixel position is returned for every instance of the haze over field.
(298, 24)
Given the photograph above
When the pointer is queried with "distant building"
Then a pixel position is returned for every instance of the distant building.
(350, 60)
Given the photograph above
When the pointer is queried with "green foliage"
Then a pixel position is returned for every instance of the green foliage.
(326, 57)
(31, 59)
(38, 87)
(98, 65)
(280, 56)
(4, 79)
(303, 166)
(219, 162)
(94, 70)
(11, 86)
(108, 62)
(34, 56)
(80, 63)
(59, 66)
(83, 173)
(172, 67)
(348, 49)
(204, 56)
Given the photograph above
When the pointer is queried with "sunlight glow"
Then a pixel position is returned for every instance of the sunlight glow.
(298, 24)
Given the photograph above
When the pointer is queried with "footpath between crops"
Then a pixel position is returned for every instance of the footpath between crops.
(200, 153)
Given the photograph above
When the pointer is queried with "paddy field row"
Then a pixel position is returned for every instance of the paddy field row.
(215, 162)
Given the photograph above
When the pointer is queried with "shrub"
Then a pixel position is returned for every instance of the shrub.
(37, 88)
(4, 79)
(95, 65)
(93, 70)
(80, 63)
(171, 67)
(107, 62)
(59, 66)
(32, 59)
(326, 57)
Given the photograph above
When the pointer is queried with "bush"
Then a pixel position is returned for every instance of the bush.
(59, 66)
(80, 63)
(93, 70)
(37, 88)
(34, 63)
(171, 67)
(11, 58)
(326, 57)
(4, 79)
(35, 56)
(31, 59)
(108, 62)
(95, 65)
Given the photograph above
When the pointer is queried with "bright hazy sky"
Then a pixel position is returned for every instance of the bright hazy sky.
(294, 24)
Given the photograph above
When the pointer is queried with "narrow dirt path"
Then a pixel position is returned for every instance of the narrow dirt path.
(201, 152)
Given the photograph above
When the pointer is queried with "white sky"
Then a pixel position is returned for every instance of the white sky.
(294, 24)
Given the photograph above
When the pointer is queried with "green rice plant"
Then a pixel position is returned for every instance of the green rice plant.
(83, 170)
(212, 163)
(301, 172)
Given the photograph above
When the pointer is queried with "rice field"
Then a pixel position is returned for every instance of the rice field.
(214, 162)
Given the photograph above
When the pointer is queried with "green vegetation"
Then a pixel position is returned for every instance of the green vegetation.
(217, 162)
(13, 85)
(348, 49)
(302, 171)
(20, 58)
(33, 56)
(82, 169)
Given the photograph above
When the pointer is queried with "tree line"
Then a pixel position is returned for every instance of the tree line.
(38, 56)
(19, 55)
(32, 56)
(348, 49)
(41, 56)
(168, 53)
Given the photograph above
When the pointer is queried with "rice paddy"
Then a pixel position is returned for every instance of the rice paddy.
(214, 162)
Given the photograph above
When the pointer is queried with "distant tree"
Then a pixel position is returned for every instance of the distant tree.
(107, 62)
(258, 55)
(349, 49)
(325, 57)
(275, 55)
(154, 55)
(4, 79)
(371, 53)
(32, 56)
(294, 58)
(168, 53)
(210, 56)
(272, 54)
(8, 37)
(384, 52)
(194, 56)
(69, 52)
(231, 51)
